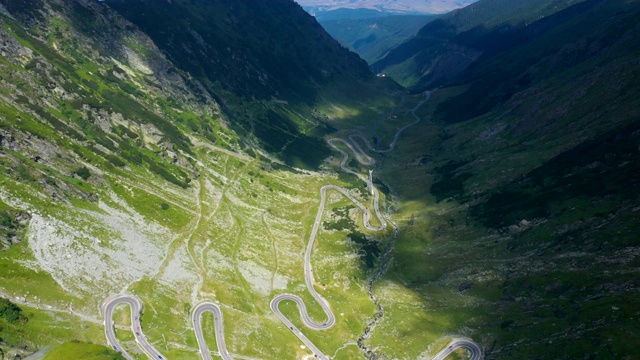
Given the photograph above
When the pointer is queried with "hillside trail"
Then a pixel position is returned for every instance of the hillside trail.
(366, 160)
(363, 158)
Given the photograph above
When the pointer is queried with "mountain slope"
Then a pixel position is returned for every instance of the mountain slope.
(129, 167)
(372, 38)
(447, 46)
(233, 43)
(245, 51)
(531, 162)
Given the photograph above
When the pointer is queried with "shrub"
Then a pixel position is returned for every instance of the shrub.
(11, 311)
(115, 160)
(83, 172)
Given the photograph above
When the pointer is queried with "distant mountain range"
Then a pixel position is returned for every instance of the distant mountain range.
(179, 150)
(373, 37)
(318, 8)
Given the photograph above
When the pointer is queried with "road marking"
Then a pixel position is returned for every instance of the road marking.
(136, 305)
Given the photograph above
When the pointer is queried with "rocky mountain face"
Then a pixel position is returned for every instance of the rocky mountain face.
(123, 122)
(175, 150)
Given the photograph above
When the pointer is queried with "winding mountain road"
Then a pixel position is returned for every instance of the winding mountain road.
(308, 273)
(136, 306)
(108, 307)
(476, 352)
(219, 329)
(361, 155)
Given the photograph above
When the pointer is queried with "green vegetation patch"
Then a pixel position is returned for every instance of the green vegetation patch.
(12, 226)
(367, 248)
(282, 135)
(608, 165)
(83, 172)
(132, 109)
(84, 351)
(450, 182)
(11, 312)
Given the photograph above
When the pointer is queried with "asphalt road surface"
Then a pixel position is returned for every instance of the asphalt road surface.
(108, 306)
(219, 329)
(136, 306)
(476, 352)
(308, 273)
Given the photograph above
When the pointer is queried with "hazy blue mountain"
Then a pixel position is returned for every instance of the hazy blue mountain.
(342, 13)
(325, 9)
(372, 38)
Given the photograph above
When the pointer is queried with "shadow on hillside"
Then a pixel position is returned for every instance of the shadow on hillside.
(249, 57)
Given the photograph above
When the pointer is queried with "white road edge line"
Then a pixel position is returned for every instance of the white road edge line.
(135, 304)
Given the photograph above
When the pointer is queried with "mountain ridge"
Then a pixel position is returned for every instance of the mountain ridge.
(126, 163)
(372, 38)
(411, 7)
(423, 61)
(532, 160)
(142, 157)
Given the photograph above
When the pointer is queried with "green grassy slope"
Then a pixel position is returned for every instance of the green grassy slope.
(85, 351)
(125, 168)
(576, 41)
(519, 218)
(25, 329)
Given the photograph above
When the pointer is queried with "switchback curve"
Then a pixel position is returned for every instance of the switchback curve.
(364, 159)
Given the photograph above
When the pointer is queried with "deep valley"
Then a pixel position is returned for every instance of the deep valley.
(194, 179)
